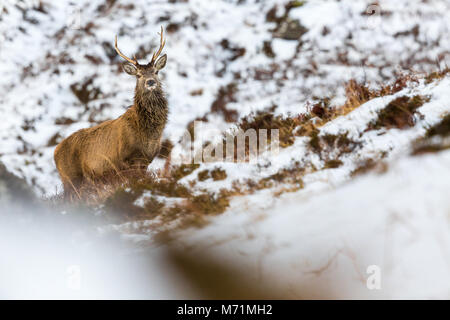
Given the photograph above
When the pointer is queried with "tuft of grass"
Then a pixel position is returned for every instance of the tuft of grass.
(183, 170)
(322, 109)
(427, 147)
(163, 187)
(399, 113)
(437, 75)
(314, 141)
(369, 165)
(208, 203)
(333, 164)
(292, 175)
(225, 95)
(218, 174)
(437, 138)
(267, 120)
(340, 141)
(399, 84)
(364, 167)
(296, 4)
(203, 175)
(358, 94)
(441, 129)
(331, 146)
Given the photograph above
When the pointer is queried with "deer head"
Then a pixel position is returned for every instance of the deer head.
(146, 74)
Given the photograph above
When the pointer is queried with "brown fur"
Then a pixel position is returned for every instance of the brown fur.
(130, 141)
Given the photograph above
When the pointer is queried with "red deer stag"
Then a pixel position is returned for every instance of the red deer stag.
(132, 140)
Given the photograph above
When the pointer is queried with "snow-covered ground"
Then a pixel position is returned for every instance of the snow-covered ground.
(323, 245)
(47, 48)
(325, 239)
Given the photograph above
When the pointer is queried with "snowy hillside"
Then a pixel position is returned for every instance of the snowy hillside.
(359, 93)
(320, 241)
(60, 72)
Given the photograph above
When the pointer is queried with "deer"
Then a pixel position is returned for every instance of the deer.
(130, 141)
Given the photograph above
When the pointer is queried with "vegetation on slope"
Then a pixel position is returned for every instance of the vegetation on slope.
(161, 196)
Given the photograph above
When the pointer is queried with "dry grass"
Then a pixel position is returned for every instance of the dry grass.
(400, 113)
(333, 164)
(225, 95)
(358, 94)
(441, 129)
(308, 124)
(437, 75)
(369, 165)
(166, 149)
(436, 139)
(122, 201)
(208, 203)
(216, 174)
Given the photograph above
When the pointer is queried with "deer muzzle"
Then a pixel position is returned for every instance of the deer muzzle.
(150, 84)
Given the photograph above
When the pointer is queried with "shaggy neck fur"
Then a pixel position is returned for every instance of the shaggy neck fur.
(152, 109)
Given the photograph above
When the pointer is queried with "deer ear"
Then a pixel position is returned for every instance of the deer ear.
(161, 62)
(129, 68)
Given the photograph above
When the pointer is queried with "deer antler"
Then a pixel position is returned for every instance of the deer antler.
(132, 61)
(162, 42)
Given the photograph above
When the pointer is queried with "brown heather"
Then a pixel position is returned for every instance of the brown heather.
(399, 113)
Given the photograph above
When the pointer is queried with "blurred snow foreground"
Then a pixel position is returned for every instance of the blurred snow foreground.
(394, 226)
(382, 233)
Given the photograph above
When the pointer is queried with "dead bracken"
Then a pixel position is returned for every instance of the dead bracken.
(267, 121)
(332, 164)
(399, 113)
(437, 75)
(441, 129)
(225, 96)
(332, 146)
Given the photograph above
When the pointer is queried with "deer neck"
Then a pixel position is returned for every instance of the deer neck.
(152, 110)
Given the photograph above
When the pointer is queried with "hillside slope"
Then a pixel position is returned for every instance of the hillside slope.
(359, 180)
